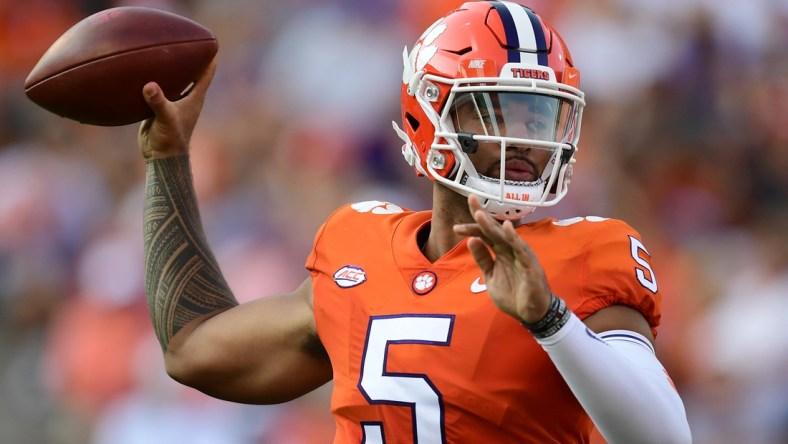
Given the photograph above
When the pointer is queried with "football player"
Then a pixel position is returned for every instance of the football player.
(457, 325)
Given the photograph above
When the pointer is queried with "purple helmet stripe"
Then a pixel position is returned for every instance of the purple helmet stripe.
(510, 29)
(541, 42)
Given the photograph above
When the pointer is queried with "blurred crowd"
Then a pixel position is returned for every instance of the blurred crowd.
(684, 137)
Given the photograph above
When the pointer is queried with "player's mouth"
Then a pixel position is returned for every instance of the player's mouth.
(520, 170)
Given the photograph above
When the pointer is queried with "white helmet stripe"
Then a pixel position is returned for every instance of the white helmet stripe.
(525, 33)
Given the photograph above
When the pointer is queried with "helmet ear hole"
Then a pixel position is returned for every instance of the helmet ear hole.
(413, 123)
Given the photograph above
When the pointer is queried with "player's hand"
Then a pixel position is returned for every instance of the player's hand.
(514, 277)
(169, 132)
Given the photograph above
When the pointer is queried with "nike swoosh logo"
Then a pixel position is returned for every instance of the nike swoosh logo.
(477, 286)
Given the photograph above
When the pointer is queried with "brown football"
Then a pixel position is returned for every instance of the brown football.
(95, 71)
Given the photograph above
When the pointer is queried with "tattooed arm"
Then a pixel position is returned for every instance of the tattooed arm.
(266, 351)
(182, 279)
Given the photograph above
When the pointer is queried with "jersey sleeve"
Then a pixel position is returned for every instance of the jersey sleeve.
(617, 270)
(343, 232)
(315, 260)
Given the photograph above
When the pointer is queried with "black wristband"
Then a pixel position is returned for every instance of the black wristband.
(557, 315)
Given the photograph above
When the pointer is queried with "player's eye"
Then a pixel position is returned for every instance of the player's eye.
(536, 125)
(489, 117)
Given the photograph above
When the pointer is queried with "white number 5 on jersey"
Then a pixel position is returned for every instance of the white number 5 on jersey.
(404, 389)
(644, 272)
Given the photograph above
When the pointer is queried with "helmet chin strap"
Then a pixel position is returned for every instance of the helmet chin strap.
(502, 212)
(528, 192)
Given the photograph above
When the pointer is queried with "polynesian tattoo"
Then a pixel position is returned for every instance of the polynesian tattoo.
(182, 278)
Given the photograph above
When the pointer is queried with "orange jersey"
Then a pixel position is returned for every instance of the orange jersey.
(420, 353)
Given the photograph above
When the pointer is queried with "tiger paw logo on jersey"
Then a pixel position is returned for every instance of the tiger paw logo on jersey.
(350, 276)
(424, 282)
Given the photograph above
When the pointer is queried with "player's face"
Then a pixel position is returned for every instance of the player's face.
(515, 115)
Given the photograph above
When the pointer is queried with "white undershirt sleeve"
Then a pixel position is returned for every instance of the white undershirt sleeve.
(620, 383)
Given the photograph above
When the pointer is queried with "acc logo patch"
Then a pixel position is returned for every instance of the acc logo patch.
(350, 276)
(424, 282)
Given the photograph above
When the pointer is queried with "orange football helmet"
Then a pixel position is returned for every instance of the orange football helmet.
(496, 57)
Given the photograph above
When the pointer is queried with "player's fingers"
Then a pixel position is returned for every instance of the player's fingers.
(487, 229)
(474, 203)
(532, 269)
(492, 233)
(164, 134)
(190, 105)
(192, 100)
(481, 255)
(486, 223)
(202, 84)
(483, 220)
(468, 230)
(473, 229)
(521, 250)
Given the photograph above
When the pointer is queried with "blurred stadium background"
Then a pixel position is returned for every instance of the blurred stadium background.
(685, 137)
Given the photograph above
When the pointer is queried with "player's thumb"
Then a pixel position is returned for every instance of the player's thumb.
(154, 97)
